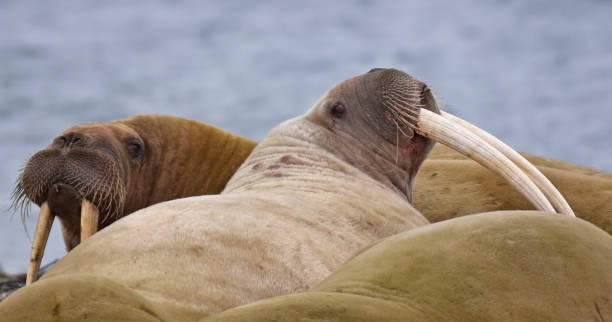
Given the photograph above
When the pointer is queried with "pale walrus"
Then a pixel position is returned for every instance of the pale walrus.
(122, 166)
(314, 191)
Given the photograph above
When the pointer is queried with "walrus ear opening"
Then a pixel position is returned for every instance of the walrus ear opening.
(457, 137)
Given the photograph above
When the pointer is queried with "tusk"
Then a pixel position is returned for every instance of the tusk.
(89, 219)
(538, 178)
(438, 128)
(41, 235)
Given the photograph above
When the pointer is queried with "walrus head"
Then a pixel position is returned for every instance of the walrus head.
(399, 116)
(93, 174)
(93, 163)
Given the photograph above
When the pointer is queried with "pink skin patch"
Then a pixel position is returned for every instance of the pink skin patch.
(413, 151)
(389, 117)
(406, 146)
(416, 145)
(409, 148)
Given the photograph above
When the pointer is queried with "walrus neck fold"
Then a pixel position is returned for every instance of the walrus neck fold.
(330, 157)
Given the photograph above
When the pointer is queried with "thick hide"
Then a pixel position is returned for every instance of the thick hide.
(449, 185)
(504, 266)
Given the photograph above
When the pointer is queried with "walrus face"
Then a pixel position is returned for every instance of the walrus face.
(393, 109)
(91, 163)
(356, 109)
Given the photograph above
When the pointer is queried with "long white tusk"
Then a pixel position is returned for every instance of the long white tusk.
(538, 178)
(89, 219)
(440, 129)
(41, 235)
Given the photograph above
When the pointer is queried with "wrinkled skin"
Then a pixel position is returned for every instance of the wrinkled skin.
(313, 192)
(123, 166)
(500, 266)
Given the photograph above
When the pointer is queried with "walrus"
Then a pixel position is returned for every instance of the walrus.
(449, 185)
(118, 167)
(498, 266)
(318, 188)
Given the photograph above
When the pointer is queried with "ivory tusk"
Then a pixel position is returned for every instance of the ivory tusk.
(455, 136)
(41, 235)
(89, 219)
(549, 190)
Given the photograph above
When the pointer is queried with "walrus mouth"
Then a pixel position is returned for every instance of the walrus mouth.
(89, 226)
(67, 185)
(413, 106)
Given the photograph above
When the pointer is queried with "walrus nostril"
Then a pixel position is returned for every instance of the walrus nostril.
(72, 139)
(428, 101)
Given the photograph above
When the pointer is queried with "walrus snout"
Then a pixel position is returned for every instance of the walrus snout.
(93, 174)
(393, 99)
(71, 181)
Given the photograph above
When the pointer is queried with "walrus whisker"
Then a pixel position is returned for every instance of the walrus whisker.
(41, 235)
(109, 199)
(411, 99)
(114, 198)
(101, 198)
(538, 178)
(107, 210)
(20, 202)
(406, 118)
(400, 108)
(449, 133)
(397, 131)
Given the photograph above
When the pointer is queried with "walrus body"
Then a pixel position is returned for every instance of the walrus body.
(500, 266)
(450, 185)
(125, 165)
(315, 191)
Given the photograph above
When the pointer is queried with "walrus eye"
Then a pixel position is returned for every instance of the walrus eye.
(134, 149)
(338, 111)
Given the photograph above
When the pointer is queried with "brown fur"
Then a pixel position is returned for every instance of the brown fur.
(179, 158)
(311, 194)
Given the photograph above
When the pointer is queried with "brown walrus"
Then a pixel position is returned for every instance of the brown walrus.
(122, 166)
(450, 185)
(317, 189)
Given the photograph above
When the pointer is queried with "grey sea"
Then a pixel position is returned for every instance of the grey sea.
(537, 74)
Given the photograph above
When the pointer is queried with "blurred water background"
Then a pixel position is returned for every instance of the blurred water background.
(537, 74)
